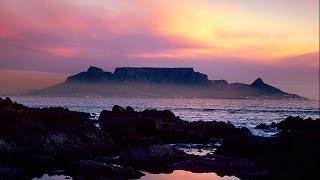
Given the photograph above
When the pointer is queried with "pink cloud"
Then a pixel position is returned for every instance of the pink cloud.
(43, 34)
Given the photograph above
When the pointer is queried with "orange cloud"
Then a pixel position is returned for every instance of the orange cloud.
(230, 30)
(167, 28)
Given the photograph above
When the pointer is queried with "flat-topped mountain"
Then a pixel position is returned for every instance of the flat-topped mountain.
(145, 74)
(159, 83)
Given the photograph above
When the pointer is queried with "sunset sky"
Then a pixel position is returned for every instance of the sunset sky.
(236, 40)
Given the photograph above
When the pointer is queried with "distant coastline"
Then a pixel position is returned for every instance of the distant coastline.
(159, 83)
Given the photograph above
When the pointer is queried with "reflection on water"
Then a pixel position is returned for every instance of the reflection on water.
(53, 177)
(198, 152)
(175, 175)
(198, 149)
(186, 175)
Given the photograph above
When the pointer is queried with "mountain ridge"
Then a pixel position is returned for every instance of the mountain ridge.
(141, 74)
(160, 82)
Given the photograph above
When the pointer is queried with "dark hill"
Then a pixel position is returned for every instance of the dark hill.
(92, 75)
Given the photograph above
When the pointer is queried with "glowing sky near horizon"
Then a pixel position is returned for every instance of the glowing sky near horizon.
(38, 34)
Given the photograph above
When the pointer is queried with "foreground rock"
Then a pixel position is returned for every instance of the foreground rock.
(292, 154)
(155, 158)
(34, 141)
(48, 130)
(153, 127)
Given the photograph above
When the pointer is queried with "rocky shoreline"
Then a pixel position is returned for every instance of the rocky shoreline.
(35, 141)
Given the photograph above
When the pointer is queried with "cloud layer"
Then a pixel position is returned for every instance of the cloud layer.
(67, 35)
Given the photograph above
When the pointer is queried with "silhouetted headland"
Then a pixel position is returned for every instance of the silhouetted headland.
(34, 141)
(159, 83)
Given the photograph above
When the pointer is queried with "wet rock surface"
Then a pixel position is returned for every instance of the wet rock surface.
(36, 141)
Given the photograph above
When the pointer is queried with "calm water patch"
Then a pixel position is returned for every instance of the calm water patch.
(186, 175)
(53, 177)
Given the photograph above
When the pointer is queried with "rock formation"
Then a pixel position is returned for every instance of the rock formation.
(35, 141)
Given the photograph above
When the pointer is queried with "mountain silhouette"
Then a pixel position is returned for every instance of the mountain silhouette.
(159, 83)
(261, 86)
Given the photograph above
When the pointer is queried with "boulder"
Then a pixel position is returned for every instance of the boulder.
(124, 122)
(262, 126)
(130, 109)
(299, 124)
(118, 109)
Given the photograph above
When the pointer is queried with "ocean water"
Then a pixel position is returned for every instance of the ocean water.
(240, 112)
(185, 175)
(175, 175)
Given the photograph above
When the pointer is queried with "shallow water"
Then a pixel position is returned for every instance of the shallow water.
(53, 177)
(186, 175)
(240, 112)
(175, 175)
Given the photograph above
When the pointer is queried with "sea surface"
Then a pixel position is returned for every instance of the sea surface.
(240, 112)
(175, 175)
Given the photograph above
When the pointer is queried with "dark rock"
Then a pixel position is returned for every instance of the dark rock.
(262, 126)
(11, 173)
(299, 124)
(128, 122)
(153, 126)
(34, 140)
(48, 129)
(293, 153)
(6, 146)
(154, 153)
(155, 158)
(273, 125)
(130, 109)
(118, 109)
(88, 169)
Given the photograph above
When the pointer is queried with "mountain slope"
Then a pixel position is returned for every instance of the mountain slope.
(159, 83)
